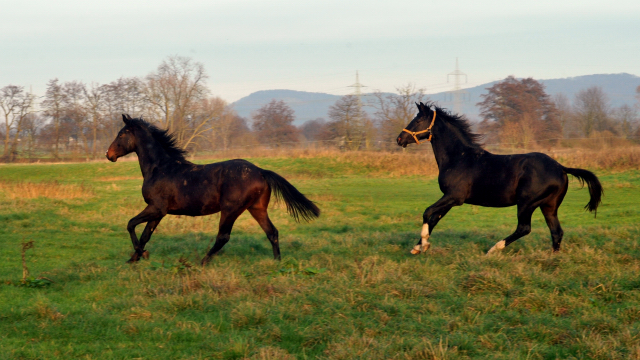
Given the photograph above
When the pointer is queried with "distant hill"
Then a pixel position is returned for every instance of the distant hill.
(308, 106)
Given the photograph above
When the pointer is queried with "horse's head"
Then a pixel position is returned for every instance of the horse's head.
(125, 141)
(419, 128)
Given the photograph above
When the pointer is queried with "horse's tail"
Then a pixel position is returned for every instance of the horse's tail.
(298, 206)
(595, 188)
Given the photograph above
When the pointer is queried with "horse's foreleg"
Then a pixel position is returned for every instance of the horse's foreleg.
(430, 219)
(146, 235)
(149, 214)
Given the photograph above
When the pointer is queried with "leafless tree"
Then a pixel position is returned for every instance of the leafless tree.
(349, 122)
(15, 105)
(592, 110)
(75, 114)
(174, 92)
(122, 96)
(394, 112)
(312, 129)
(224, 122)
(565, 114)
(94, 107)
(33, 122)
(626, 118)
(54, 109)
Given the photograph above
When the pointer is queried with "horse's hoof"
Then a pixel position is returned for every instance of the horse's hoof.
(134, 258)
(497, 247)
(205, 260)
(420, 249)
(145, 255)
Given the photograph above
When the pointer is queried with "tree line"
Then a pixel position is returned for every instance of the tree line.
(80, 120)
(519, 113)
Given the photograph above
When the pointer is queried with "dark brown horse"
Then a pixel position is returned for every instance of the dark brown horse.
(173, 185)
(471, 175)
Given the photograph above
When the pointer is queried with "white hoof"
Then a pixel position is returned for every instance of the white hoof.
(423, 247)
(424, 244)
(497, 247)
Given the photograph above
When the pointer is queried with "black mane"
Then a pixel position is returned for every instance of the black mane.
(166, 140)
(460, 123)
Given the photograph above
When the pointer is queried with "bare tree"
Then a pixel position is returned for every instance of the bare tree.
(94, 108)
(122, 96)
(349, 122)
(273, 124)
(626, 120)
(225, 122)
(592, 110)
(174, 91)
(15, 105)
(565, 113)
(75, 115)
(54, 107)
(313, 129)
(394, 112)
(33, 122)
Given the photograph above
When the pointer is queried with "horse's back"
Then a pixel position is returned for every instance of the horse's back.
(206, 189)
(500, 180)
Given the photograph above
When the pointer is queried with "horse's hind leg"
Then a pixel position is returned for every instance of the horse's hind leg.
(262, 218)
(227, 219)
(524, 228)
(551, 216)
(550, 212)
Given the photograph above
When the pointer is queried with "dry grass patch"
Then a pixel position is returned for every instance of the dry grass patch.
(118, 178)
(44, 310)
(51, 190)
(617, 159)
(272, 353)
(490, 280)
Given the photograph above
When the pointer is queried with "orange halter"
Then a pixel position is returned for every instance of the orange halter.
(414, 133)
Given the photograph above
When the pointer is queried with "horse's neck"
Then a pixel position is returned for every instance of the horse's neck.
(149, 157)
(448, 148)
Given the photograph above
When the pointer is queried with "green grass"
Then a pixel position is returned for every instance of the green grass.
(346, 287)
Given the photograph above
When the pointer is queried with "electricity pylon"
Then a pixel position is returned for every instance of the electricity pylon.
(457, 92)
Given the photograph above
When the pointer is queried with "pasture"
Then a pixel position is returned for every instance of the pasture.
(346, 288)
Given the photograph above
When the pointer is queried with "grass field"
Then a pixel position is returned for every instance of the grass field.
(346, 288)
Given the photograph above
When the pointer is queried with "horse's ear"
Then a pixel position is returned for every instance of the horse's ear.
(126, 118)
(419, 107)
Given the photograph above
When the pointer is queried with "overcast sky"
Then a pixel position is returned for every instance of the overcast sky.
(317, 46)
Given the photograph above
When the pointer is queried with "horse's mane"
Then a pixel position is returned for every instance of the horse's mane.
(166, 140)
(459, 122)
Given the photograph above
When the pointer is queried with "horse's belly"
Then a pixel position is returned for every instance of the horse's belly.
(491, 199)
(193, 206)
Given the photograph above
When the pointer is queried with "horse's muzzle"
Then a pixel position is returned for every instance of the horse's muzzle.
(111, 157)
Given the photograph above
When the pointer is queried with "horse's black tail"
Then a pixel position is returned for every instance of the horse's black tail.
(298, 206)
(595, 188)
